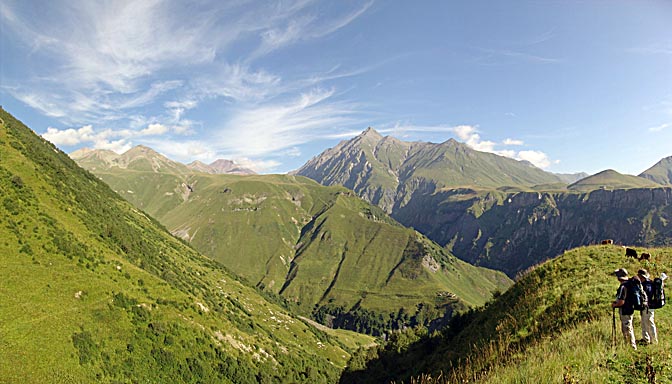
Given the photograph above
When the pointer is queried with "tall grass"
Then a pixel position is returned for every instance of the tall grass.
(555, 326)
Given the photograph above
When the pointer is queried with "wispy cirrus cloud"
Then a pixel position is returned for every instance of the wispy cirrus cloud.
(132, 64)
(268, 128)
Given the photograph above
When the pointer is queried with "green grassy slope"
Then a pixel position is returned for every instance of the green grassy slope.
(553, 325)
(611, 179)
(320, 247)
(93, 290)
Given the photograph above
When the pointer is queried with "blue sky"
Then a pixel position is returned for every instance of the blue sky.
(568, 85)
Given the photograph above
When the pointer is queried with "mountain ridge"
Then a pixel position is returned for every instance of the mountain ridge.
(386, 171)
(148, 157)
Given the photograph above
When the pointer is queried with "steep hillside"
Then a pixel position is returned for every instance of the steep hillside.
(611, 179)
(335, 256)
(661, 172)
(389, 172)
(94, 290)
(513, 231)
(553, 326)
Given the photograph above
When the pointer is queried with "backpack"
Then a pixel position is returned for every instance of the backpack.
(655, 292)
(635, 296)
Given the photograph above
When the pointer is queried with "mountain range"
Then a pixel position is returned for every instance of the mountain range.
(334, 256)
(144, 158)
(388, 172)
(494, 211)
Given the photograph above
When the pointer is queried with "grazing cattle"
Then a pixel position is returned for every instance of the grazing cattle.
(608, 241)
(644, 256)
(630, 252)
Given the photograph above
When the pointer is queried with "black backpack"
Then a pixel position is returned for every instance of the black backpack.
(635, 296)
(655, 292)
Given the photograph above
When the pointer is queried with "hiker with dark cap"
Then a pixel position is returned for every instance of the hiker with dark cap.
(649, 331)
(626, 309)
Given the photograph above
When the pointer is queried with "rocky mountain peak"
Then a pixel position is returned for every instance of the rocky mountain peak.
(370, 134)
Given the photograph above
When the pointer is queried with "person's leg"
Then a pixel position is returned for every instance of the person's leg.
(650, 324)
(628, 332)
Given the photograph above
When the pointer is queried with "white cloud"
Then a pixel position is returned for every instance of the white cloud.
(659, 128)
(118, 146)
(69, 136)
(469, 134)
(238, 83)
(153, 129)
(116, 140)
(512, 142)
(301, 28)
(537, 158)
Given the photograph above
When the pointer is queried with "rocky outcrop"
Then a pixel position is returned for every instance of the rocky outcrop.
(513, 231)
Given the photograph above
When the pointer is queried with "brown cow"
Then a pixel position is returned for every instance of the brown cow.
(607, 242)
(645, 256)
(630, 252)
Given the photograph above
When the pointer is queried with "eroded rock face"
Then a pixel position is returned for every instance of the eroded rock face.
(512, 232)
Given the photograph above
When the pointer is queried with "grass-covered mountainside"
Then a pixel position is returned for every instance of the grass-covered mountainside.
(553, 326)
(94, 290)
(388, 172)
(611, 179)
(661, 172)
(336, 257)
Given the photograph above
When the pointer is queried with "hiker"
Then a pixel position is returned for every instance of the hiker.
(626, 309)
(649, 331)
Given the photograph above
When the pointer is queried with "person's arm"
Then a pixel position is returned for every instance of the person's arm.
(620, 297)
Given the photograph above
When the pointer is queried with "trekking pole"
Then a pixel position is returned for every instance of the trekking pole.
(613, 329)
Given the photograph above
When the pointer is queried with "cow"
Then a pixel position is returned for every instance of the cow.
(645, 256)
(630, 252)
(607, 242)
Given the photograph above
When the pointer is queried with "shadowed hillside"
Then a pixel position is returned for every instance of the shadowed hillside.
(94, 290)
(514, 231)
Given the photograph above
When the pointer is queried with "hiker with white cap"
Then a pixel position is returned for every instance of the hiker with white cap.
(649, 331)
